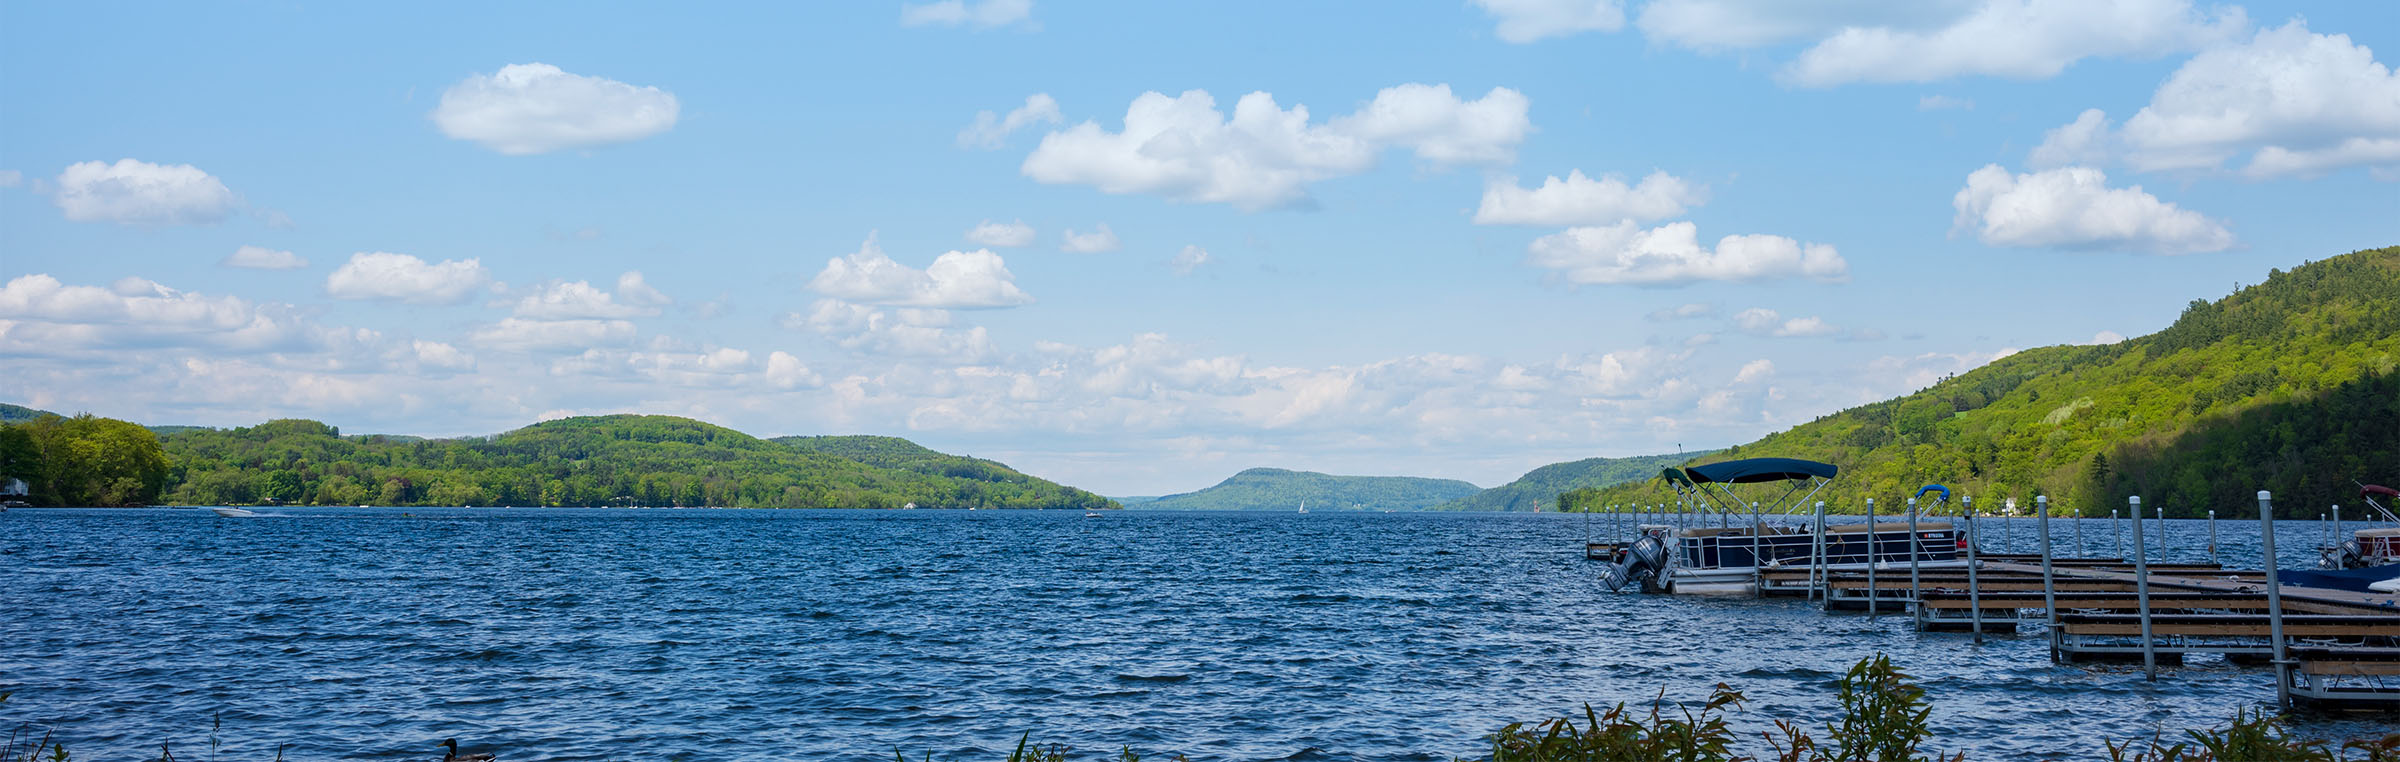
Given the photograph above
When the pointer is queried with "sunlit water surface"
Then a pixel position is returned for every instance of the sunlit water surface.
(721, 634)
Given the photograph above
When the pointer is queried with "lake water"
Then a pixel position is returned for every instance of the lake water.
(716, 634)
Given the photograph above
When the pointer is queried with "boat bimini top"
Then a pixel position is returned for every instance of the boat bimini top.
(1796, 474)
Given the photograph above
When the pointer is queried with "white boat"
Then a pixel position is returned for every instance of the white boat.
(234, 513)
(1691, 558)
(1303, 506)
(1091, 514)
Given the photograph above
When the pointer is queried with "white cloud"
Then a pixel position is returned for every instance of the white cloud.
(2017, 39)
(1265, 156)
(990, 129)
(1101, 239)
(1760, 321)
(1683, 312)
(1189, 259)
(983, 14)
(1671, 255)
(440, 355)
(1754, 370)
(2297, 102)
(523, 335)
(1717, 25)
(2106, 337)
(1523, 21)
(1940, 102)
(537, 108)
(991, 233)
(41, 316)
(404, 278)
(263, 258)
(902, 332)
(787, 371)
(578, 300)
(132, 192)
(956, 280)
(1580, 200)
(2074, 208)
(632, 289)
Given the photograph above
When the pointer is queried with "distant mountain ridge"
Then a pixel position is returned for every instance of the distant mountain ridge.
(1276, 489)
(1539, 489)
(609, 460)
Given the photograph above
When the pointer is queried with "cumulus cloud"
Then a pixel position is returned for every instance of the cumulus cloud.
(538, 108)
(1523, 21)
(990, 233)
(956, 280)
(1580, 200)
(1101, 239)
(576, 300)
(2106, 337)
(1189, 259)
(1264, 155)
(2296, 102)
(143, 194)
(263, 258)
(524, 335)
(1683, 312)
(921, 333)
(989, 129)
(386, 276)
(1760, 321)
(981, 14)
(2074, 208)
(1754, 370)
(2016, 39)
(1670, 255)
(435, 354)
(41, 315)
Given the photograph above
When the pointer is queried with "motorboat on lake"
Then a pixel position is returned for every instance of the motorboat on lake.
(2368, 560)
(233, 513)
(1687, 556)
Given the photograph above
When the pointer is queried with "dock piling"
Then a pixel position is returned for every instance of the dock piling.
(2041, 504)
(1873, 592)
(2080, 548)
(2141, 590)
(1816, 567)
(1915, 594)
(2266, 538)
(1974, 589)
(2212, 538)
(2116, 528)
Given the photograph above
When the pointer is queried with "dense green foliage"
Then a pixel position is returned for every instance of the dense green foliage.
(2285, 386)
(83, 461)
(592, 461)
(1275, 489)
(1540, 488)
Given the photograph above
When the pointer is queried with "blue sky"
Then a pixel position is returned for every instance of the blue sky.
(1329, 243)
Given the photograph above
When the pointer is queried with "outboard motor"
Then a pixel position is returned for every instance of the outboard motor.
(1640, 562)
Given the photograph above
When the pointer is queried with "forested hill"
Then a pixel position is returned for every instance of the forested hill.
(1275, 489)
(1539, 489)
(2287, 386)
(589, 461)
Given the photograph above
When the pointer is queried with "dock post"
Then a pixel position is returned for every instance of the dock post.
(2328, 527)
(2116, 527)
(2041, 503)
(2008, 529)
(2266, 538)
(2212, 539)
(1974, 588)
(1915, 596)
(2080, 548)
(1816, 565)
(2141, 589)
(2336, 543)
(1872, 592)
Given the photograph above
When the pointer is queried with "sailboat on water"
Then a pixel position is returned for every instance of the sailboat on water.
(1303, 506)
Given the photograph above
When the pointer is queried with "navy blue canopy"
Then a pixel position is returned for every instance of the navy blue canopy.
(1761, 470)
(1934, 488)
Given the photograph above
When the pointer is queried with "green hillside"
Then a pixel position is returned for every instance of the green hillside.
(1539, 489)
(2287, 386)
(16, 413)
(590, 461)
(1275, 489)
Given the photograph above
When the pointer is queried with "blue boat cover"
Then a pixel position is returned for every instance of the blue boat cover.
(2355, 580)
(1934, 488)
(1761, 470)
